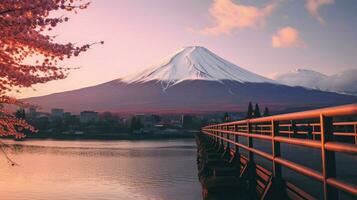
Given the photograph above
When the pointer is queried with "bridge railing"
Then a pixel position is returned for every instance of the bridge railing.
(330, 130)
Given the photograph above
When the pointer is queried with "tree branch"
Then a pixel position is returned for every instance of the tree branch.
(6, 11)
(9, 160)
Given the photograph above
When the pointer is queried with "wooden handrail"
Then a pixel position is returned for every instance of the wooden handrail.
(328, 112)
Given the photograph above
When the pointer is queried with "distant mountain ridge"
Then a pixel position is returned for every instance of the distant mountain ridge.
(191, 80)
(344, 82)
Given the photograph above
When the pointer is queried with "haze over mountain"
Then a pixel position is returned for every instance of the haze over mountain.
(191, 80)
(344, 82)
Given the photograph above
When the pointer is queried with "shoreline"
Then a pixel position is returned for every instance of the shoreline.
(108, 137)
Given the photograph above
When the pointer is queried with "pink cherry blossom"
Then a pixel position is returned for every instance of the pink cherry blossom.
(22, 26)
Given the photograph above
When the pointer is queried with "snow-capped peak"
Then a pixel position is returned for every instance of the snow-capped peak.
(194, 63)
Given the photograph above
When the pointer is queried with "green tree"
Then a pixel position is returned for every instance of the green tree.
(135, 123)
(226, 117)
(256, 113)
(57, 125)
(20, 114)
(266, 112)
(156, 118)
(187, 122)
(250, 111)
(139, 125)
(42, 123)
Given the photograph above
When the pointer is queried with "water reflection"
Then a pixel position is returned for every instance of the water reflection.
(101, 170)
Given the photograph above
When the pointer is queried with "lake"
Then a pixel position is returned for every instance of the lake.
(106, 170)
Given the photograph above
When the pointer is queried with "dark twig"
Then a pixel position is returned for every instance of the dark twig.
(6, 11)
(9, 160)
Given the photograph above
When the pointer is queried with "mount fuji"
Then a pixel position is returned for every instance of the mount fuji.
(194, 63)
(192, 79)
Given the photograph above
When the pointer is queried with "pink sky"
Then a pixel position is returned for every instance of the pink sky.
(139, 33)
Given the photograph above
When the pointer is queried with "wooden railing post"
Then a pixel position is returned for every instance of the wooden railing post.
(228, 137)
(236, 139)
(251, 165)
(220, 139)
(275, 149)
(214, 131)
(355, 131)
(250, 143)
(277, 188)
(217, 134)
(327, 157)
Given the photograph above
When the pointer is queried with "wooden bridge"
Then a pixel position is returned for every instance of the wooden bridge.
(231, 152)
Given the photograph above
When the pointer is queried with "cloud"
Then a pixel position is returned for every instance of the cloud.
(287, 37)
(313, 7)
(344, 82)
(228, 16)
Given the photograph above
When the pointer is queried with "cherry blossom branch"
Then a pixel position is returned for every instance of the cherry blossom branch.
(22, 24)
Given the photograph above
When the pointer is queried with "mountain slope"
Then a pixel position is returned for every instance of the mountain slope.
(192, 80)
(344, 82)
(187, 96)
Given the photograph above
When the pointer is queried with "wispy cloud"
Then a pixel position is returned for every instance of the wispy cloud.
(313, 7)
(228, 16)
(287, 37)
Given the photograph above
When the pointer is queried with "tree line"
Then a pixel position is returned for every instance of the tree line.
(251, 113)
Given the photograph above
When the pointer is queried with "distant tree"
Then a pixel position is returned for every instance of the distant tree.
(266, 112)
(110, 123)
(226, 117)
(139, 125)
(256, 113)
(187, 122)
(20, 114)
(135, 123)
(250, 111)
(57, 125)
(71, 121)
(156, 118)
(41, 123)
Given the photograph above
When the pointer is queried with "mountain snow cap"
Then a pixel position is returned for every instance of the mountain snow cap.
(194, 63)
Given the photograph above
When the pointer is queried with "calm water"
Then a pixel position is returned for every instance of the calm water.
(155, 170)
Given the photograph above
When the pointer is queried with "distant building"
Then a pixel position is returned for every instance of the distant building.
(67, 114)
(140, 116)
(32, 112)
(148, 121)
(57, 113)
(88, 116)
